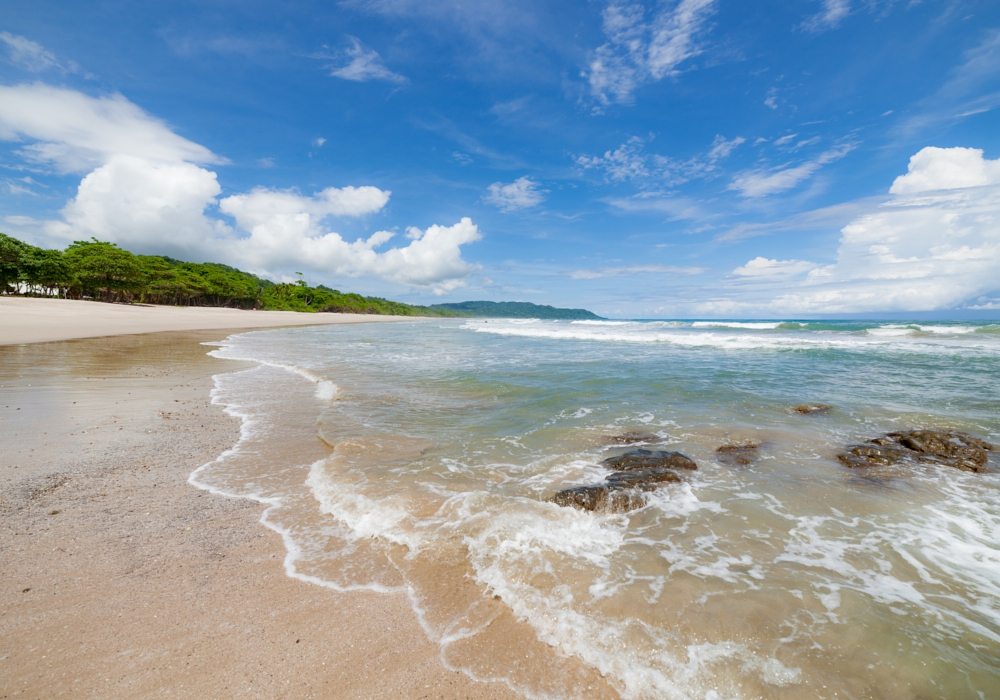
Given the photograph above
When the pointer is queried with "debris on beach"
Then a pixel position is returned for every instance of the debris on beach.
(635, 471)
(950, 448)
(808, 409)
(739, 455)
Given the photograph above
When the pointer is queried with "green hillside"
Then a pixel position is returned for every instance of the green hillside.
(104, 272)
(515, 309)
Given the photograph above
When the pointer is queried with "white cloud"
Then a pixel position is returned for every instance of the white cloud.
(362, 64)
(630, 161)
(145, 206)
(285, 231)
(721, 148)
(947, 169)
(628, 270)
(829, 17)
(761, 183)
(149, 193)
(772, 98)
(520, 194)
(76, 132)
(970, 89)
(933, 245)
(763, 268)
(28, 54)
(318, 142)
(638, 51)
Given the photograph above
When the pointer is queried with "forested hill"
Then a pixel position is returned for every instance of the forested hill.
(515, 309)
(104, 272)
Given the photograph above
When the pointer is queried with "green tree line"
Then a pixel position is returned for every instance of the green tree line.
(104, 272)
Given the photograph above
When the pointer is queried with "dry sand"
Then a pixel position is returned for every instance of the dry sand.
(119, 580)
(36, 320)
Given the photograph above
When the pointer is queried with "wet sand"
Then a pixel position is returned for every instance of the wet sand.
(120, 580)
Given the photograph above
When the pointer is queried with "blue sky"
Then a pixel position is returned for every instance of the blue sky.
(673, 159)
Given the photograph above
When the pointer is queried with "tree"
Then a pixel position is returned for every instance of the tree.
(48, 270)
(12, 260)
(105, 267)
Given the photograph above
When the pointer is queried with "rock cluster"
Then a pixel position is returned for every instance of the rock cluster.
(738, 455)
(949, 448)
(634, 472)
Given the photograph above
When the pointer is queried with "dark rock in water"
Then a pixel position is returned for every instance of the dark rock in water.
(950, 448)
(811, 408)
(873, 454)
(635, 471)
(642, 479)
(600, 498)
(630, 437)
(738, 454)
(649, 459)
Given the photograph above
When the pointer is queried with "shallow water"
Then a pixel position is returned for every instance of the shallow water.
(419, 457)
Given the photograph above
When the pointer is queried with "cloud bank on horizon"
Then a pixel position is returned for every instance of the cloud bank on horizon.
(602, 152)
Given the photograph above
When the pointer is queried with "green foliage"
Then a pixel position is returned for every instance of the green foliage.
(12, 261)
(24, 267)
(105, 269)
(96, 270)
(515, 309)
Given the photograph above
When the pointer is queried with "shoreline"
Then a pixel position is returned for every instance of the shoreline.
(39, 320)
(122, 580)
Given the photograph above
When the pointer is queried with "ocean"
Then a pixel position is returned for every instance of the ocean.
(421, 457)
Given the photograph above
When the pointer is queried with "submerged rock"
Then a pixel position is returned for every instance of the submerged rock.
(811, 408)
(947, 447)
(630, 437)
(635, 471)
(599, 498)
(649, 459)
(738, 454)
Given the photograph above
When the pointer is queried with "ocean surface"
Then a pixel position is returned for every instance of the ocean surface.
(419, 457)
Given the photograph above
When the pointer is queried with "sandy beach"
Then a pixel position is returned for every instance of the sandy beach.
(120, 580)
(36, 320)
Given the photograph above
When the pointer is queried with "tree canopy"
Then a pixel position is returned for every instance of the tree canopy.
(102, 271)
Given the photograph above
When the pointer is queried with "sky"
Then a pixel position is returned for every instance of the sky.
(678, 159)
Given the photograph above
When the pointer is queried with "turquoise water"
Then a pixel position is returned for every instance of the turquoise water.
(419, 457)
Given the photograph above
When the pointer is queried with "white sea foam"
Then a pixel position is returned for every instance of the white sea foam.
(326, 390)
(749, 325)
(886, 338)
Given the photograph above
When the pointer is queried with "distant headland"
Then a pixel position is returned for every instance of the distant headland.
(515, 309)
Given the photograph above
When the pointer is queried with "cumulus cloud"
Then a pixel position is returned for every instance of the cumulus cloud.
(946, 169)
(145, 206)
(150, 193)
(75, 132)
(285, 231)
(764, 182)
(933, 245)
(520, 194)
(639, 51)
(362, 64)
(628, 270)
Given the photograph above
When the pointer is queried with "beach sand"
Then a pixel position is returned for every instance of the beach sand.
(120, 580)
(37, 320)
